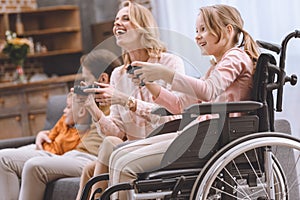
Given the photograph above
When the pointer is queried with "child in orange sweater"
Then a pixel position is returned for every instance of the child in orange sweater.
(63, 137)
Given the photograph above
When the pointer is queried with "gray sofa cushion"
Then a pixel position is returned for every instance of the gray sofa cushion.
(283, 126)
(55, 107)
(62, 189)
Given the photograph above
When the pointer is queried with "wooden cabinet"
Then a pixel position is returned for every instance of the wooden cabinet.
(57, 28)
(23, 107)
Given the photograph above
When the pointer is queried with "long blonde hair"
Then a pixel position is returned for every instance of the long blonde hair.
(143, 20)
(217, 17)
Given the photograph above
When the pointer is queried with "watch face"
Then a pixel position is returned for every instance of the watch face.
(131, 103)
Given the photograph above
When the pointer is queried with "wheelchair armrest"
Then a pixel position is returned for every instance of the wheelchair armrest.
(115, 188)
(168, 173)
(16, 142)
(218, 108)
(214, 108)
(88, 186)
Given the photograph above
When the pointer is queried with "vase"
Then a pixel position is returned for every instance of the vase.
(19, 75)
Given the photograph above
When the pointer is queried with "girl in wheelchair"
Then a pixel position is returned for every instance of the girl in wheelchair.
(229, 79)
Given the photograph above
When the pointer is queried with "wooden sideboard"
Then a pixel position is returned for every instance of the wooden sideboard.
(23, 106)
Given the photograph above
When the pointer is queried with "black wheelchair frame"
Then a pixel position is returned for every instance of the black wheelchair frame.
(217, 154)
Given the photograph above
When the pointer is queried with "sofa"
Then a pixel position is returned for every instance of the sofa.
(61, 189)
(66, 188)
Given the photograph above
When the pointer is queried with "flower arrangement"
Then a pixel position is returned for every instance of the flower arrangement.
(16, 48)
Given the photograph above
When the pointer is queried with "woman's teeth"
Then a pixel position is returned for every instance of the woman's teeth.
(120, 32)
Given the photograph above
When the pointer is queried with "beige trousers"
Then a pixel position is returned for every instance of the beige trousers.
(36, 168)
(108, 145)
(139, 156)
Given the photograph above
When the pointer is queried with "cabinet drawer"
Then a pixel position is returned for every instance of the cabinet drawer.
(39, 98)
(36, 122)
(10, 101)
(11, 127)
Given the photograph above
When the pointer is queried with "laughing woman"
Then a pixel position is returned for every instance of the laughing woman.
(130, 118)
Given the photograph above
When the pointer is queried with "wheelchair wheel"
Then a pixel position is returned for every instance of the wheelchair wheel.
(258, 166)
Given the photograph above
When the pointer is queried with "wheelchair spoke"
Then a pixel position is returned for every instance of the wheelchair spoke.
(295, 166)
(289, 163)
(257, 160)
(237, 169)
(235, 180)
(293, 175)
(221, 179)
(295, 183)
(216, 196)
(253, 170)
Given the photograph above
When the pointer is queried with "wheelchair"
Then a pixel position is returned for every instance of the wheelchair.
(227, 157)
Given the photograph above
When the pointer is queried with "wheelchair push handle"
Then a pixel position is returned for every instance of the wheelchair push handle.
(279, 70)
(269, 46)
(295, 34)
(282, 76)
(277, 48)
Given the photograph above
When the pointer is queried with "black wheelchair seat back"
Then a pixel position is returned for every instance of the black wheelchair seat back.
(260, 92)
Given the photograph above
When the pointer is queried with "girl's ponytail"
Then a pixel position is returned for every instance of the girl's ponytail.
(250, 46)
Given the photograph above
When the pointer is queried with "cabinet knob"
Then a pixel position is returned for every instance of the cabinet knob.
(31, 117)
(2, 101)
(18, 118)
(45, 95)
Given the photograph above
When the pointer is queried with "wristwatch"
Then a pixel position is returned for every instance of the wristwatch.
(131, 103)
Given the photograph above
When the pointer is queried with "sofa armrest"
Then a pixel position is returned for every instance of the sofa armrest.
(16, 142)
(282, 125)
